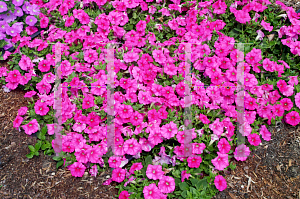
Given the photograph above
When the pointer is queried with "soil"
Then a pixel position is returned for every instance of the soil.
(271, 171)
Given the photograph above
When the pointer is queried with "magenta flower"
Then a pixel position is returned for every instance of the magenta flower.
(31, 127)
(292, 118)
(220, 183)
(18, 121)
(3, 6)
(198, 148)
(159, 56)
(130, 57)
(88, 102)
(94, 171)
(154, 172)
(131, 147)
(151, 192)
(29, 94)
(297, 100)
(135, 166)
(194, 162)
(166, 184)
(254, 139)
(125, 111)
(41, 108)
(169, 130)
(241, 152)
(221, 161)
(224, 146)
(90, 56)
(30, 20)
(22, 110)
(77, 169)
(184, 175)
(266, 135)
(266, 26)
(118, 174)
(124, 195)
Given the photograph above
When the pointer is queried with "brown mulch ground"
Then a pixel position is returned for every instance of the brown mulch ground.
(272, 171)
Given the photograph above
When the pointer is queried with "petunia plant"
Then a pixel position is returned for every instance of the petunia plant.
(149, 153)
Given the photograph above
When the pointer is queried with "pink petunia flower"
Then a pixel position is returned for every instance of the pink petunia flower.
(130, 57)
(221, 161)
(166, 184)
(241, 152)
(198, 148)
(254, 139)
(194, 162)
(220, 183)
(77, 169)
(159, 56)
(224, 146)
(292, 118)
(154, 172)
(184, 175)
(18, 121)
(94, 171)
(124, 195)
(151, 191)
(266, 135)
(169, 130)
(118, 174)
(135, 167)
(31, 127)
(41, 108)
(266, 26)
(131, 147)
(297, 100)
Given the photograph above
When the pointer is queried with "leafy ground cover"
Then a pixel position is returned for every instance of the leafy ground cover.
(149, 88)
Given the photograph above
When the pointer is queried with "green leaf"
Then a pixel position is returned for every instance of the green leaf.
(57, 158)
(30, 155)
(31, 148)
(38, 146)
(148, 160)
(184, 193)
(60, 163)
(184, 186)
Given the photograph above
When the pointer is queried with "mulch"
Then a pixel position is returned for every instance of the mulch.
(272, 171)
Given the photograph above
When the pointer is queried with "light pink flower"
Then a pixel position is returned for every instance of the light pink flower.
(241, 152)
